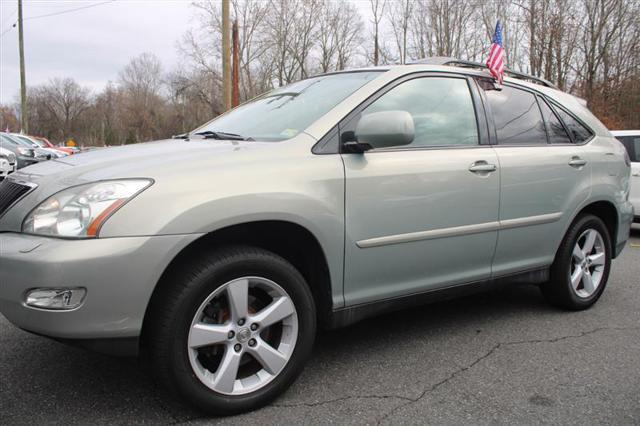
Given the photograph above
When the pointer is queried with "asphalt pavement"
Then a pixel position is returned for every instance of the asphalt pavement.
(500, 357)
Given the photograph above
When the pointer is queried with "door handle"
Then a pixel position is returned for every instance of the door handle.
(577, 162)
(482, 167)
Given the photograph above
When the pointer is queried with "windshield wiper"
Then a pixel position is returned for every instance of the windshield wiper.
(210, 134)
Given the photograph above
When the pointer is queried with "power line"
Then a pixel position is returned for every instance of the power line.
(8, 29)
(9, 16)
(62, 12)
(68, 10)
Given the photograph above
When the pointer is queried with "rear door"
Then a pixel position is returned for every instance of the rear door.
(421, 216)
(545, 176)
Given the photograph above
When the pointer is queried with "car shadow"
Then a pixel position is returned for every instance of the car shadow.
(82, 385)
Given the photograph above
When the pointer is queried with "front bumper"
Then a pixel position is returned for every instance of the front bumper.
(6, 167)
(119, 274)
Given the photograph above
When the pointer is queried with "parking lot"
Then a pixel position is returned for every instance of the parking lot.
(502, 357)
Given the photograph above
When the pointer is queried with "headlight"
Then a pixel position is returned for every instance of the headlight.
(80, 211)
(25, 151)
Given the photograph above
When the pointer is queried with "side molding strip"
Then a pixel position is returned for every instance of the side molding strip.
(530, 220)
(457, 231)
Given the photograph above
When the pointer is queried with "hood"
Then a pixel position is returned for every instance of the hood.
(6, 152)
(151, 159)
(179, 168)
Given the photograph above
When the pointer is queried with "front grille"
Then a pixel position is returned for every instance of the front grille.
(10, 192)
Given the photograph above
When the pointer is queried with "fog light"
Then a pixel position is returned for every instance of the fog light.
(55, 298)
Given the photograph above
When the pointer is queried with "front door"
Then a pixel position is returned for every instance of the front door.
(421, 216)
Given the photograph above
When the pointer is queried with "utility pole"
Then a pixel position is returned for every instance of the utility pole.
(235, 92)
(24, 123)
(226, 57)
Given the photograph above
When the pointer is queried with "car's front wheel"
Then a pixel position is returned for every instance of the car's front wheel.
(580, 270)
(232, 330)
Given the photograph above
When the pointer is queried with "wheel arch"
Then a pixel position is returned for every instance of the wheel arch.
(606, 211)
(293, 242)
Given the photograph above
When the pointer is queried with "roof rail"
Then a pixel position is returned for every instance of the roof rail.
(442, 60)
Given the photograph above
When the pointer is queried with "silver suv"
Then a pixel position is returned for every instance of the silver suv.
(215, 257)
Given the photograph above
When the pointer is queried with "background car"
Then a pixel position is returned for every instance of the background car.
(44, 143)
(25, 154)
(631, 141)
(41, 154)
(8, 163)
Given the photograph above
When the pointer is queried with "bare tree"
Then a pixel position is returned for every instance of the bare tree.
(588, 47)
(602, 25)
(141, 80)
(60, 103)
(445, 28)
(399, 17)
(339, 30)
(378, 8)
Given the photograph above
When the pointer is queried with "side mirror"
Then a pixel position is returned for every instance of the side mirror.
(385, 129)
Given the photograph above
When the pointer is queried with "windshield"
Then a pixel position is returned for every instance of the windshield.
(39, 143)
(6, 140)
(25, 141)
(15, 141)
(284, 112)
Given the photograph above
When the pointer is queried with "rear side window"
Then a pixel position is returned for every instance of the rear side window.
(555, 129)
(441, 107)
(517, 117)
(579, 133)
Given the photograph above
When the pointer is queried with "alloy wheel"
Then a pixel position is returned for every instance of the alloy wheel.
(588, 261)
(242, 336)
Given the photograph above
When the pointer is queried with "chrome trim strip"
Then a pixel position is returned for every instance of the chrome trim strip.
(458, 231)
(429, 235)
(530, 220)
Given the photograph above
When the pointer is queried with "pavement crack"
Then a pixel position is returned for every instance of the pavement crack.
(407, 401)
(490, 352)
(570, 336)
(440, 383)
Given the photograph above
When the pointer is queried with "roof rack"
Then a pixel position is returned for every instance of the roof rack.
(442, 60)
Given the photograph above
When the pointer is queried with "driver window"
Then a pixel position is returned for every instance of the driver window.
(441, 107)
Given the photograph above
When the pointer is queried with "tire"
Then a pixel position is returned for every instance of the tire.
(578, 294)
(193, 306)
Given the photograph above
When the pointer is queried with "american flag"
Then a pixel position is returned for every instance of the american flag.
(495, 63)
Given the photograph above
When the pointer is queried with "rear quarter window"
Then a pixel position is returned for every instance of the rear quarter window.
(555, 129)
(578, 132)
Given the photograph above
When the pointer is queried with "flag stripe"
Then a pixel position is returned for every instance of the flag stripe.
(495, 62)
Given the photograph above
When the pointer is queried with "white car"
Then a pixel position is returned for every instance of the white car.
(631, 141)
(8, 163)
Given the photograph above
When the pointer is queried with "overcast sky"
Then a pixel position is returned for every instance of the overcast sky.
(90, 45)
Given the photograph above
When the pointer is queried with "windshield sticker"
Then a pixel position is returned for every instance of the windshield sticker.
(289, 133)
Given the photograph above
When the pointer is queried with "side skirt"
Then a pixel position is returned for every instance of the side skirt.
(352, 314)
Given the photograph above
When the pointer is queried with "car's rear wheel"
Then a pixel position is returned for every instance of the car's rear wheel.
(232, 330)
(580, 271)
